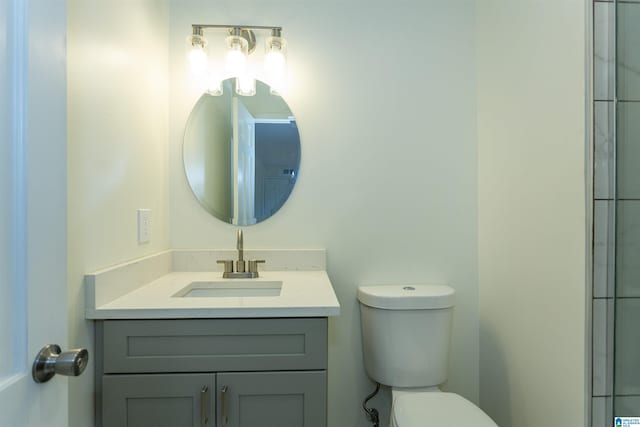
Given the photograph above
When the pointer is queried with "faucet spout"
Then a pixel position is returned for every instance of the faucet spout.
(244, 269)
(239, 246)
(240, 264)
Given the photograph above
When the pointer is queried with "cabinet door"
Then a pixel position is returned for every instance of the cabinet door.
(272, 399)
(163, 400)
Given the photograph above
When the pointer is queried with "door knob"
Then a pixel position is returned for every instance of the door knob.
(52, 360)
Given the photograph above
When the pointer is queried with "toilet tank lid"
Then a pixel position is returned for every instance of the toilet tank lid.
(407, 297)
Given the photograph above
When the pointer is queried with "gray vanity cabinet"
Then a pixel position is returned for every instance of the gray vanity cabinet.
(211, 373)
(272, 399)
(154, 400)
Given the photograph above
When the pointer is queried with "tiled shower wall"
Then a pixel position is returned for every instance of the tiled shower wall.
(616, 249)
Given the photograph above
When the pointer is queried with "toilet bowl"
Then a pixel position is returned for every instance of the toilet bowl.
(406, 333)
(431, 408)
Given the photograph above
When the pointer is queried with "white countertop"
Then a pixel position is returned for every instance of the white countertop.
(303, 294)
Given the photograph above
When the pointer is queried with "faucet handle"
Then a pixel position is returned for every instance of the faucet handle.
(228, 265)
(253, 265)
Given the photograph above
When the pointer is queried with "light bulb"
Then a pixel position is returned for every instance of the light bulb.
(245, 86)
(214, 87)
(197, 55)
(198, 60)
(236, 56)
(275, 62)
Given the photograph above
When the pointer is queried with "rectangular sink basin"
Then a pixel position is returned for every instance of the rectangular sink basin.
(230, 288)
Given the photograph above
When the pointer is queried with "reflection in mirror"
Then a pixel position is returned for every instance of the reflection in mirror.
(241, 154)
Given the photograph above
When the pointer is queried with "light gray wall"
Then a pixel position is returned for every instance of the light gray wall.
(532, 226)
(384, 95)
(209, 151)
(117, 150)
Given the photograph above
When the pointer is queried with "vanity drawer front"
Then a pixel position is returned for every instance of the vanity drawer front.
(214, 345)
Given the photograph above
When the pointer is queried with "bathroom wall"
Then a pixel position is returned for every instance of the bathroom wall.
(117, 150)
(384, 96)
(210, 171)
(531, 181)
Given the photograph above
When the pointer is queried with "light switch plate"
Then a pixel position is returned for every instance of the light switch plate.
(144, 225)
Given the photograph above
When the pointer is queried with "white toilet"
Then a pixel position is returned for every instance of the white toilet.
(405, 334)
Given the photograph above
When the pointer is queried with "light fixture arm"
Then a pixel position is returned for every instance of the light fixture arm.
(244, 31)
(244, 27)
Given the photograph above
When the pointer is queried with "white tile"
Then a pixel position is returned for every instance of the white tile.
(602, 347)
(601, 413)
(628, 149)
(628, 52)
(627, 351)
(603, 50)
(628, 249)
(603, 242)
(603, 179)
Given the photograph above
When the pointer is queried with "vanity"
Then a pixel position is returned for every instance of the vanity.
(196, 339)
(177, 345)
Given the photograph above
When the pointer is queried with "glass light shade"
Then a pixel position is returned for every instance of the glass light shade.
(236, 56)
(198, 60)
(245, 86)
(214, 88)
(197, 55)
(275, 62)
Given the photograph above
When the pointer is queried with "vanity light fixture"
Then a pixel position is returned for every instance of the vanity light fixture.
(197, 53)
(275, 59)
(237, 52)
(245, 85)
(240, 42)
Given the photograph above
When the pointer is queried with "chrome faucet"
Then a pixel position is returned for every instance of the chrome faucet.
(241, 265)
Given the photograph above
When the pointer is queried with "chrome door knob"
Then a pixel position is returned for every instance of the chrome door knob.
(52, 360)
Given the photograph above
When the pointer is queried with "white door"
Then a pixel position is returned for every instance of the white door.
(33, 253)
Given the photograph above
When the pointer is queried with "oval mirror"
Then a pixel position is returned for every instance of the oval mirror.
(241, 154)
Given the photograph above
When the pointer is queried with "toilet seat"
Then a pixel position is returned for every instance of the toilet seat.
(427, 409)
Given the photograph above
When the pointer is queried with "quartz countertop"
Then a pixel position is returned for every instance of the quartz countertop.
(304, 293)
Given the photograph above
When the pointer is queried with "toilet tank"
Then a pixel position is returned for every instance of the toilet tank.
(406, 332)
